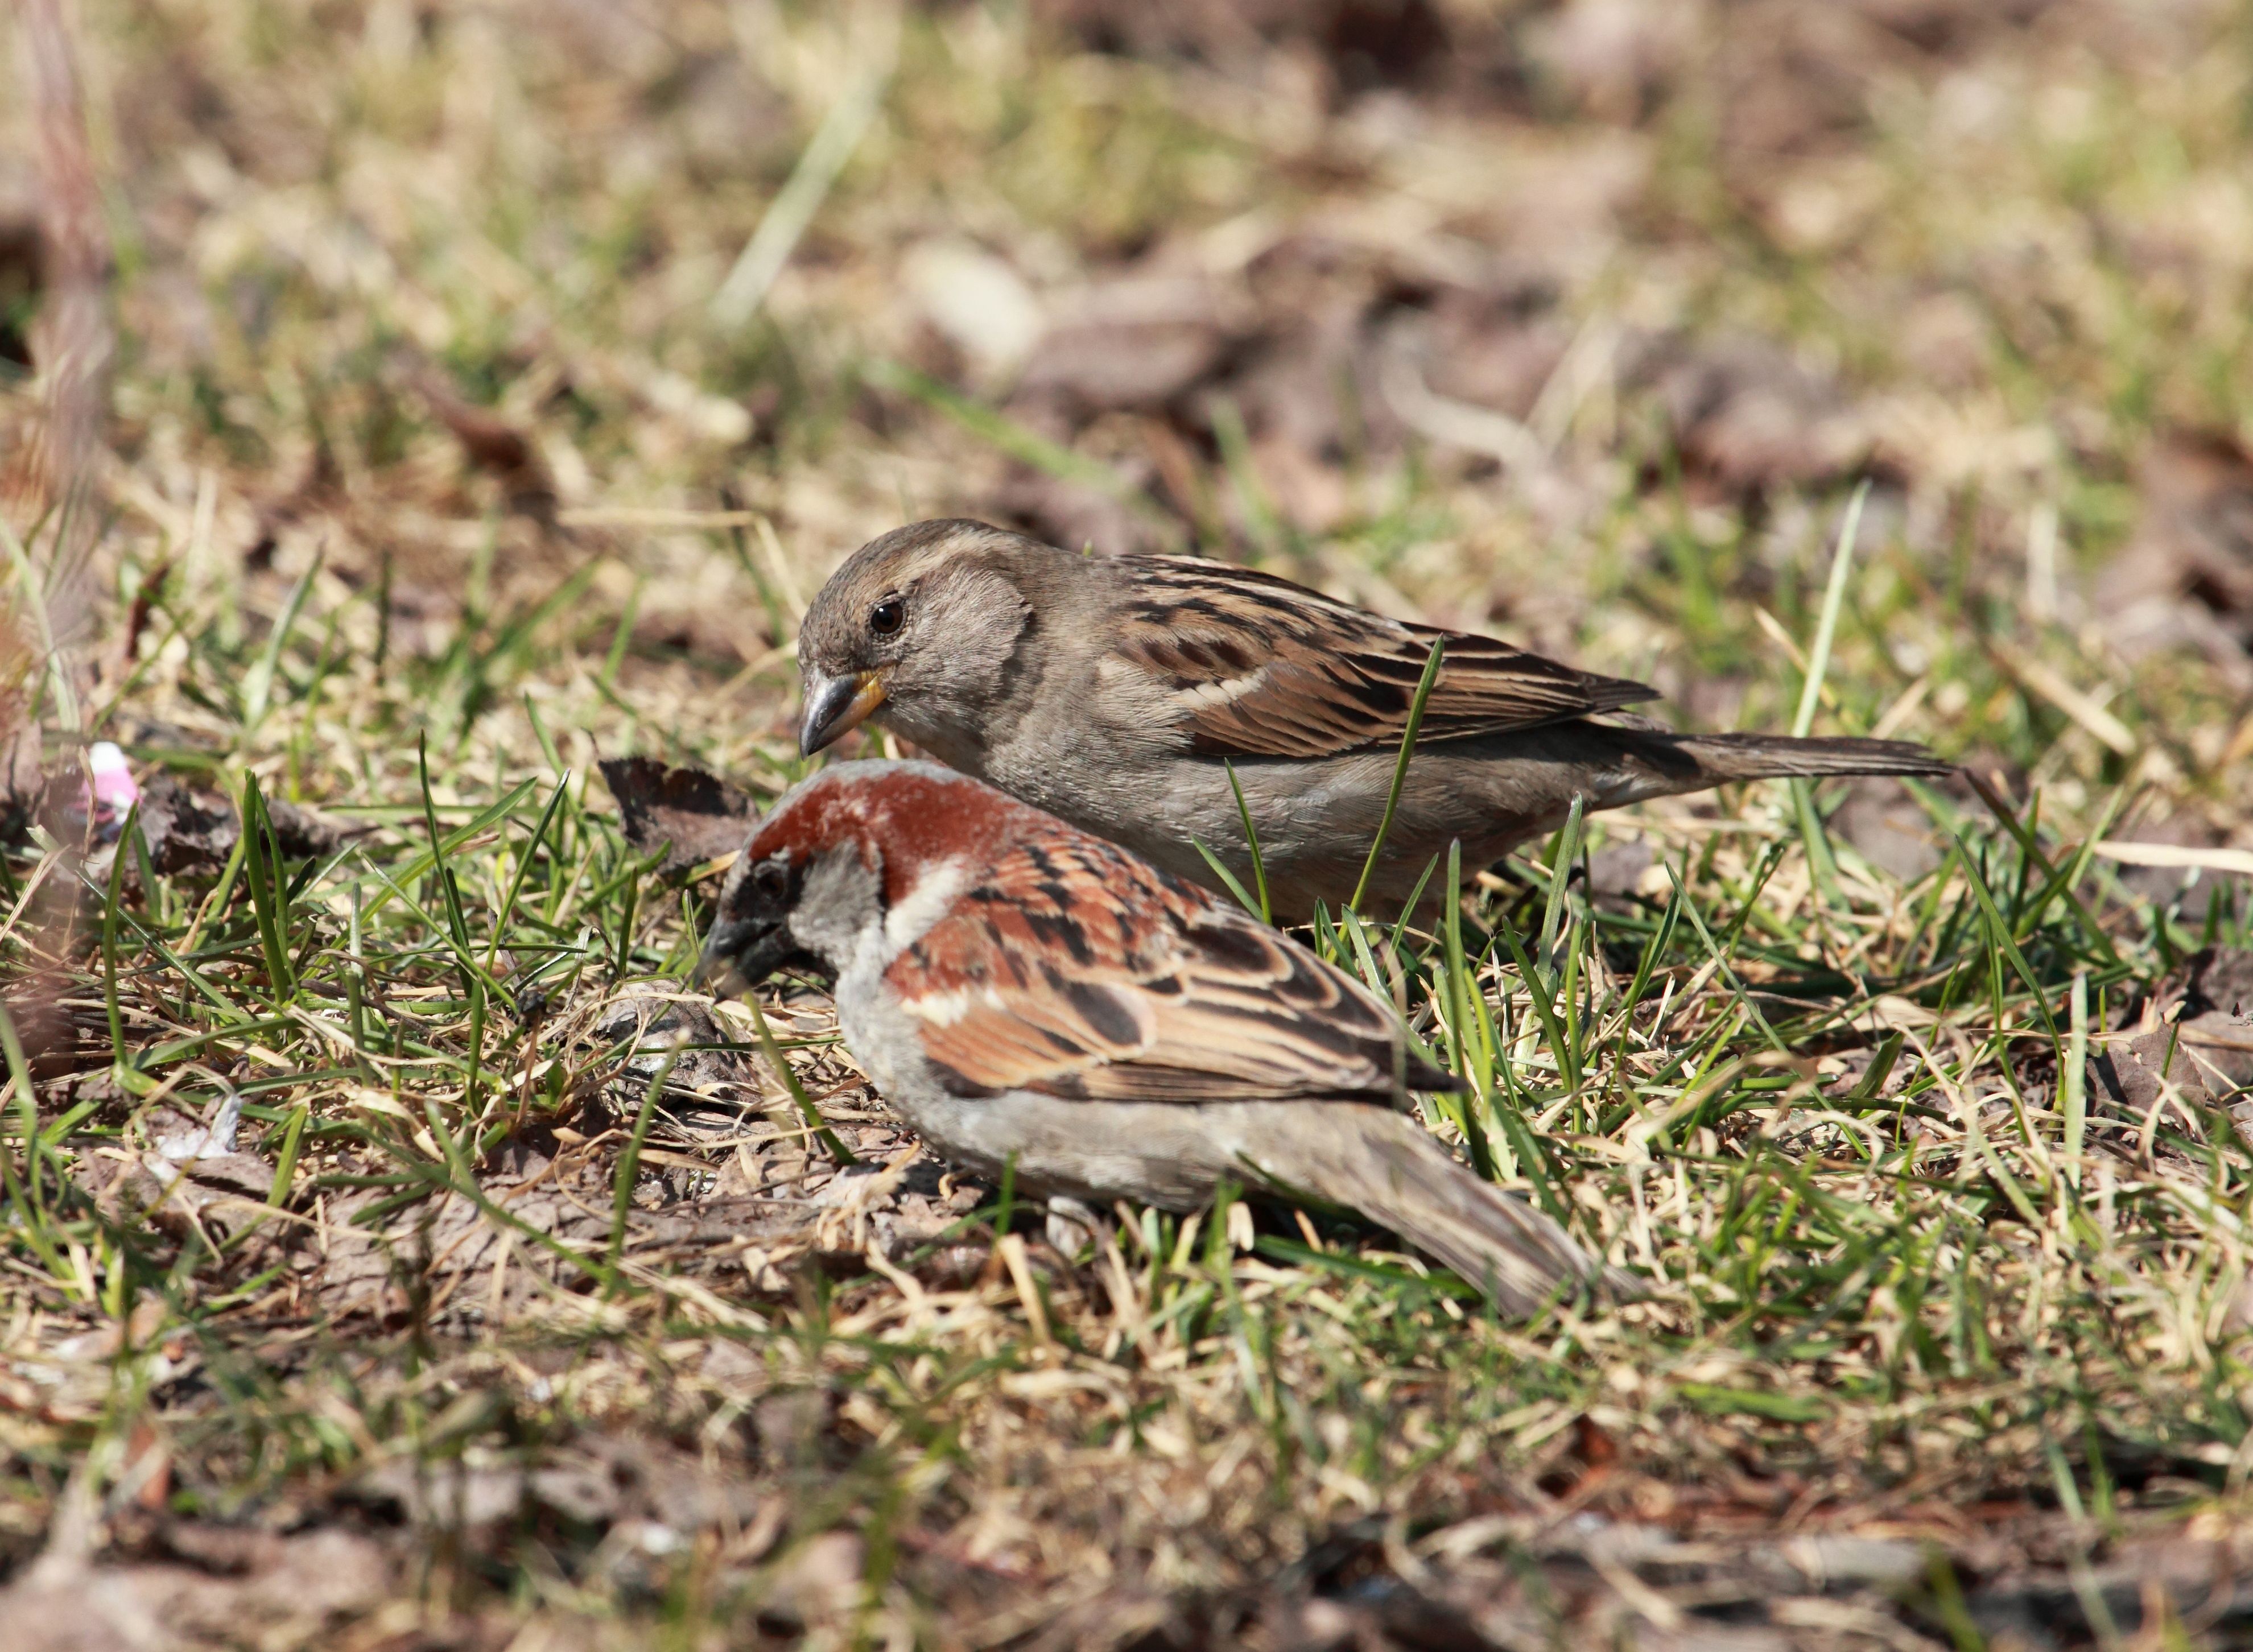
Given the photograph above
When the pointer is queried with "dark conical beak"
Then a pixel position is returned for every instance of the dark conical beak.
(836, 705)
(740, 953)
(718, 970)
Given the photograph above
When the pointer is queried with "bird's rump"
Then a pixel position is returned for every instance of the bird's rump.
(1256, 667)
(1075, 969)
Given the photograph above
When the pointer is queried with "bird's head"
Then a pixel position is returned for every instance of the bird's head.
(920, 625)
(838, 853)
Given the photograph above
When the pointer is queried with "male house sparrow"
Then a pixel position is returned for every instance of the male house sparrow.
(1117, 691)
(1020, 990)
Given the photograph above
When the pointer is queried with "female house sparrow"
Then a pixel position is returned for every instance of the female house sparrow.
(1117, 691)
(1020, 990)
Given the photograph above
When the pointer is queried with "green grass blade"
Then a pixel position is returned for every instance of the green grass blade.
(285, 1162)
(263, 879)
(838, 1153)
(2004, 941)
(1251, 841)
(1399, 769)
(1543, 993)
(530, 853)
(629, 1166)
(1826, 627)
(1560, 878)
(1469, 1053)
(1415, 899)
(258, 681)
(1229, 882)
(1810, 693)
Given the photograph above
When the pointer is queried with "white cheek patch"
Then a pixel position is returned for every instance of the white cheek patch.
(838, 908)
(932, 897)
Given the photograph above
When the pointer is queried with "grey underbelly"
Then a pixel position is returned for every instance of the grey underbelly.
(1315, 819)
(1169, 1154)
(1315, 823)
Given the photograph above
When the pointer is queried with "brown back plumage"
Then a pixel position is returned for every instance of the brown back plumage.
(1264, 668)
(1072, 967)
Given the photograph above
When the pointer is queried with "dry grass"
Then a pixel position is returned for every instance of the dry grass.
(507, 1317)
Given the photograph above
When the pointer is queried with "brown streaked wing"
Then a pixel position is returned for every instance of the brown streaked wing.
(1263, 668)
(1075, 969)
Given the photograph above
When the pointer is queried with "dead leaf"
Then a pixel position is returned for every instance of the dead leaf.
(694, 814)
(1301, 351)
(2186, 579)
(1592, 1443)
(817, 1581)
(191, 833)
(260, 1590)
(708, 1091)
(188, 831)
(977, 302)
(2136, 1072)
(2217, 1023)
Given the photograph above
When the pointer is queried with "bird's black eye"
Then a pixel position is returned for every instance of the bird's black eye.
(886, 618)
(770, 879)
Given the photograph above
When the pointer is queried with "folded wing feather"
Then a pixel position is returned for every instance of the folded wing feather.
(1075, 969)
(1257, 666)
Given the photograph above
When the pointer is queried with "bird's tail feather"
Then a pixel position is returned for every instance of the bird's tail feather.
(1392, 1171)
(1766, 757)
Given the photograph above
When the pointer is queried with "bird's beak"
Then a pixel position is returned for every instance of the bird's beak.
(740, 953)
(836, 705)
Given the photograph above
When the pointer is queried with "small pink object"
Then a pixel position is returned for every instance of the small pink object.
(114, 789)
